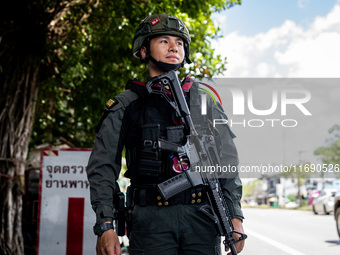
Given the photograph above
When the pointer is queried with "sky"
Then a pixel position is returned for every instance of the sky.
(281, 38)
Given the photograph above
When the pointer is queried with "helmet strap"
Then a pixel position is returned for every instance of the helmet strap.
(187, 50)
(147, 52)
(165, 66)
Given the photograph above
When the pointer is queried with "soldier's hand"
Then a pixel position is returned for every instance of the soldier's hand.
(239, 228)
(108, 243)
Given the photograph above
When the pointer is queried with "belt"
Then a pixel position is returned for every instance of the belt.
(151, 196)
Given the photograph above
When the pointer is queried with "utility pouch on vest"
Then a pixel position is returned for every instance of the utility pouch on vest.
(175, 134)
(150, 157)
(151, 132)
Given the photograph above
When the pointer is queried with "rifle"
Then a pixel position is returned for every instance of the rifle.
(201, 151)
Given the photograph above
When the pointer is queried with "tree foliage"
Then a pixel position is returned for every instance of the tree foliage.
(59, 63)
(252, 188)
(300, 173)
(330, 154)
(92, 61)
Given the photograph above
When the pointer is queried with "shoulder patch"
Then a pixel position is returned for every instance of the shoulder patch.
(121, 101)
(111, 103)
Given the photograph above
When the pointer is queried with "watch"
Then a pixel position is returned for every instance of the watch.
(99, 229)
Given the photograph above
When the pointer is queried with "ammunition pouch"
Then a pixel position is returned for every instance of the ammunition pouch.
(151, 159)
(150, 163)
(175, 134)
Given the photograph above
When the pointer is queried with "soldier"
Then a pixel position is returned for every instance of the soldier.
(134, 118)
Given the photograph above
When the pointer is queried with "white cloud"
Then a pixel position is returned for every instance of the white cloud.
(313, 56)
(286, 51)
(263, 69)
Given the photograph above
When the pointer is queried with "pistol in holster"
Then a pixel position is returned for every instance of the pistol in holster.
(122, 214)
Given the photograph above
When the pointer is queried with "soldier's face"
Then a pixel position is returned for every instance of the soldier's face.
(165, 48)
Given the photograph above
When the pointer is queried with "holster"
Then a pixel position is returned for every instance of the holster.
(122, 213)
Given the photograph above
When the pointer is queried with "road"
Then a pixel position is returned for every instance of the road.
(294, 232)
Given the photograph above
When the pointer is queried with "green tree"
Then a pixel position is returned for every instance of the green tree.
(59, 62)
(94, 63)
(252, 189)
(330, 154)
(299, 173)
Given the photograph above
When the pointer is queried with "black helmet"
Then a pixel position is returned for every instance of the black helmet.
(161, 24)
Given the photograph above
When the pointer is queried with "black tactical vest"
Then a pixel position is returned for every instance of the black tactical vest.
(146, 164)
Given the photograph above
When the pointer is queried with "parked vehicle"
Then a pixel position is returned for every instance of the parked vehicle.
(337, 211)
(324, 202)
(314, 194)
